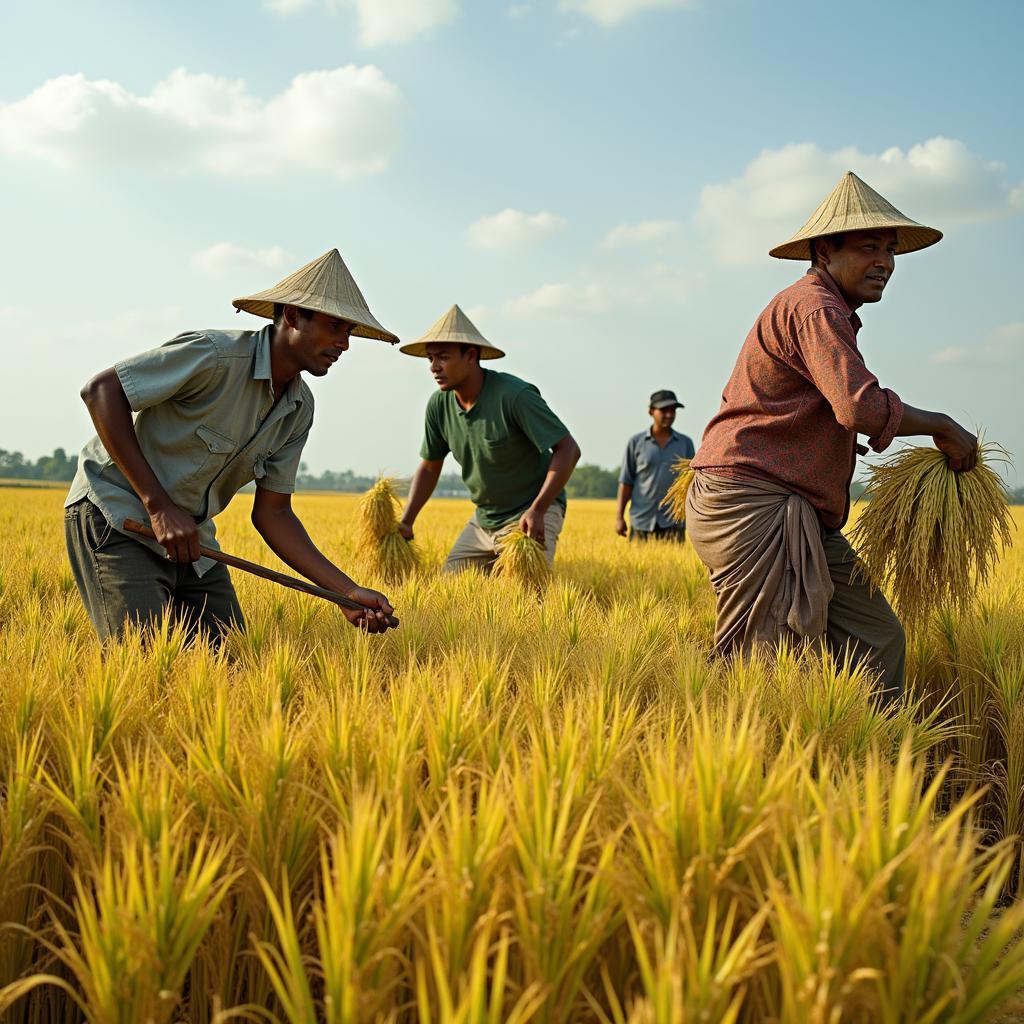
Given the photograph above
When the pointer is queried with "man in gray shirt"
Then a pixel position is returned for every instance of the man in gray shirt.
(647, 474)
(180, 429)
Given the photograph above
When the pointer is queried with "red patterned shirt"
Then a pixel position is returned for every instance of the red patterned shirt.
(797, 398)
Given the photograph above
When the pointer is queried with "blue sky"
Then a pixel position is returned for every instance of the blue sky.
(596, 182)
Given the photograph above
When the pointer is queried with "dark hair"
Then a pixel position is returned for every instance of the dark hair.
(279, 308)
(836, 241)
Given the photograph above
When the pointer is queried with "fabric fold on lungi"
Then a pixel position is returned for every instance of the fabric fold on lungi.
(763, 547)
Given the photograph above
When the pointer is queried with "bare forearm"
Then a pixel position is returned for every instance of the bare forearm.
(920, 422)
(111, 414)
(424, 480)
(564, 457)
(624, 495)
(287, 538)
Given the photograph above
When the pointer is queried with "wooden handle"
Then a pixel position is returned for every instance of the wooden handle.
(133, 526)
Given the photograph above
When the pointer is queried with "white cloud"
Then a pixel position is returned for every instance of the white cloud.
(1004, 346)
(654, 285)
(225, 258)
(381, 22)
(512, 229)
(939, 182)
(610, 12)
(639, 233)
(344, 121)
(560, 300)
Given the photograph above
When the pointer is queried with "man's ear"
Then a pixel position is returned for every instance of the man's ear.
(824, 251)
(291, 315)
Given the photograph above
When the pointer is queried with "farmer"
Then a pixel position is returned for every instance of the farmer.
(647, 474)
(516, 454)
(771, 489)
(215, 410)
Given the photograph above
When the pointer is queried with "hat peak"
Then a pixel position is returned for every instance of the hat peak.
(853, 205)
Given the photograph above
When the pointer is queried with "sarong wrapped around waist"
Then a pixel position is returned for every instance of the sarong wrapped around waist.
(763, 547)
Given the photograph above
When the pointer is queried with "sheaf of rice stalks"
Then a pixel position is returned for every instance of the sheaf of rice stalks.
(675, 497)
(379, 543)
(931, 535)
(522, 559)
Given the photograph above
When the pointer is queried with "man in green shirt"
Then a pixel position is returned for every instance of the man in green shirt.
(516, 454)
(180, 429)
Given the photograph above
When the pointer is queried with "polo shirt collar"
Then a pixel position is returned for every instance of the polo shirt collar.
(825, 278)
(261, 369)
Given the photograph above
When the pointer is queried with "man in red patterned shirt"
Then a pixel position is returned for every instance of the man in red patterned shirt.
(771, 487)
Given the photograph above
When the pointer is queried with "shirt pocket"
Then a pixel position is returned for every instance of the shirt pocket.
(214, 450)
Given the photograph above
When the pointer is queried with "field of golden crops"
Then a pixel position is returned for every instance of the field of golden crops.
(506, 810)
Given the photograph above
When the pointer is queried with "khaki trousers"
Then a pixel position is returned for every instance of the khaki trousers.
(478, 547)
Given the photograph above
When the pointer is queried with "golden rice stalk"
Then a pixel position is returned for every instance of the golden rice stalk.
(381, 546)
(378, 509)
(930, 535)
(675, 496)
(522, 559)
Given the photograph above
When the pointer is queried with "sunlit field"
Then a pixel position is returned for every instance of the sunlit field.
(509, 809)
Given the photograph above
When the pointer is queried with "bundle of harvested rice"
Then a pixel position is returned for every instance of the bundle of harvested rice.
(675, 496)
(380, 544)
(522, 559)
(931, 535)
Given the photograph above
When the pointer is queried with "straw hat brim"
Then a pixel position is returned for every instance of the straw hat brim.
(366, 325)
(910, 237)
(419, 348)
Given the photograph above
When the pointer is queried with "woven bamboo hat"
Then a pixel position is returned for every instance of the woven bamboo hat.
(855, 206)
(325, 286)
(454, 328)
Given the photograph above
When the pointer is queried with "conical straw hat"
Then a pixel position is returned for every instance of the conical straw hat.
(325, 286)
(454, 328)
(855, 206)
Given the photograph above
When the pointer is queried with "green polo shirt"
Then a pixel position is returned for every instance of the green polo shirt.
(207, 423)
(503, 444)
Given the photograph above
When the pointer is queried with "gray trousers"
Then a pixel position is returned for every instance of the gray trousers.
(124, 583)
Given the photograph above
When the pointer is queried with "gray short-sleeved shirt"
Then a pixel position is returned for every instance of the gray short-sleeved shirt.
(647, 468)
(207, 423)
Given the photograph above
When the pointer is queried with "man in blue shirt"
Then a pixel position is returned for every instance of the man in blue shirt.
(647, 474)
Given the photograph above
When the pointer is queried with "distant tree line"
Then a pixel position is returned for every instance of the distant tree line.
(588, 481)
(58, 466)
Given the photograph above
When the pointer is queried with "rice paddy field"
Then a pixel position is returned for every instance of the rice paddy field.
(513, 808)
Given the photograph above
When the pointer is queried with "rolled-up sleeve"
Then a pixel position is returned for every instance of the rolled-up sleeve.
(185, 366)
(827, 345)
(892, 424)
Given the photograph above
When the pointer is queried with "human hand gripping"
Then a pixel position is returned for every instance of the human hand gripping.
(177, 531)
(531, 522)
(375, 618)
(959, 446)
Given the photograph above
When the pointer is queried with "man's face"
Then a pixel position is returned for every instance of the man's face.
(864, 264)
(318, 341)
(663, 418)
(450, 365)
